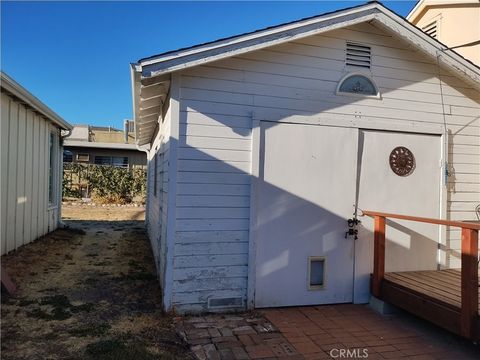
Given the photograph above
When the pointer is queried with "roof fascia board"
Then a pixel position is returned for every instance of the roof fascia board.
(255, 35)
(135, 74)
(17, 90)
(250, 43)
(417, 9)
(99, 145)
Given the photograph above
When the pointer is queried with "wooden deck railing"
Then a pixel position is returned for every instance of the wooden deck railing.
(469, 258)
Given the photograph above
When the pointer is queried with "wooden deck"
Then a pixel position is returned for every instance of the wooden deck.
(432, 295)
(442, 298)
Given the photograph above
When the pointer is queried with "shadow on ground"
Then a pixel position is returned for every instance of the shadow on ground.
(88, 291)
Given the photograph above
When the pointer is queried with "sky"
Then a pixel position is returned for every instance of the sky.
(75, 56)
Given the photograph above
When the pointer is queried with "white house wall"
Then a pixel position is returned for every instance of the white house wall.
(157, 204)
(25, 210)
(218, 101)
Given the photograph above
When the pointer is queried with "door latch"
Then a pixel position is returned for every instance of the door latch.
(352, 228)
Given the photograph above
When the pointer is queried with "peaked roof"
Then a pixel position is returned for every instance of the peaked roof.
(150, 76)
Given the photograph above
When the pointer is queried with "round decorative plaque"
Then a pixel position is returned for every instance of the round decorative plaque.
(402, 161)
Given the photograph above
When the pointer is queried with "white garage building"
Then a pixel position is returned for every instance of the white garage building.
(263, 145)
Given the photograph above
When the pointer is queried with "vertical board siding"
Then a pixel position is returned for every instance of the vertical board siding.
(29, 175)
(21, 160)
(298, 78)
(24, 176)
(35, 182)
(10, 174)
(4, 134)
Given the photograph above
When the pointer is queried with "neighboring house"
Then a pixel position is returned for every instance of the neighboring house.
(104, 146)
(31, 163)
(262, 145)
(453, 23)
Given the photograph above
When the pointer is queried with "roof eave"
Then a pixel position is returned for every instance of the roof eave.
(15, 89)
(262, 39)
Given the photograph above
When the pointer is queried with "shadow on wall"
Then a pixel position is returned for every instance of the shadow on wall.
(213, 197)
(212, 232)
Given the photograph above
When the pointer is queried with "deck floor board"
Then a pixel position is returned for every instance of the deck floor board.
(434, 295)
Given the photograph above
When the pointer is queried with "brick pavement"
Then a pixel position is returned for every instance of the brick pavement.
(320, 332)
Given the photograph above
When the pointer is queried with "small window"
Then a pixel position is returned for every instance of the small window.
(67, 156)
(316, 272)
(103, 160)
(120, 161)
(357, 84)
(117, 161)
(51, 168)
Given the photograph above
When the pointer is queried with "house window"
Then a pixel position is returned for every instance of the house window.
(316, 272)
(117, 161)
(357, 84)
(51, 168)
(120, 161)
(67, 156)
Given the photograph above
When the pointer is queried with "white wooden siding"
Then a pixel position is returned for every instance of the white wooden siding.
(217, 102)
(156, 215)
(25, 211)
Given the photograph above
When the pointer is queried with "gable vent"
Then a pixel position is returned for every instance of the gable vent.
(431, 29)
(358, 55)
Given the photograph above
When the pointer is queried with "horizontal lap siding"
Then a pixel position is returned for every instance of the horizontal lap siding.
(216, 108)
(157, 204)
(25, 211)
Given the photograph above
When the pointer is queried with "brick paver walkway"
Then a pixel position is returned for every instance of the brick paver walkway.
(249, 336)
(321, 332)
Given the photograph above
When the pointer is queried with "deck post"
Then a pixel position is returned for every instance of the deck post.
(378, 255)
(469, 281)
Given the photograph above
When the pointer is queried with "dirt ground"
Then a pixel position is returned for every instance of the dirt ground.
(88, 292)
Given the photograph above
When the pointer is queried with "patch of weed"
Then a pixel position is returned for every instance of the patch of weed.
(103, 263)
(90, 330)
(136, 265)
(62, 308)
(75, 231)
(51, 336)
(87, 307)
(116, 350)
(56, 301)
(57, 314)
(143, 276)
(26, 302)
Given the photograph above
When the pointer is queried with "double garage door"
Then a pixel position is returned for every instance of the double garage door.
(311, 181)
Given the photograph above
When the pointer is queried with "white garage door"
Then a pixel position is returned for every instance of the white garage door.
(310, 180)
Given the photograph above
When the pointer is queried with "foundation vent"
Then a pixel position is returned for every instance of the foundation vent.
(358, 55)
(224, 303)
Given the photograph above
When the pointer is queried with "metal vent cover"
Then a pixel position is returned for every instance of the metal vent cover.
(225, 303)
(358, 55)
(431, 29)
